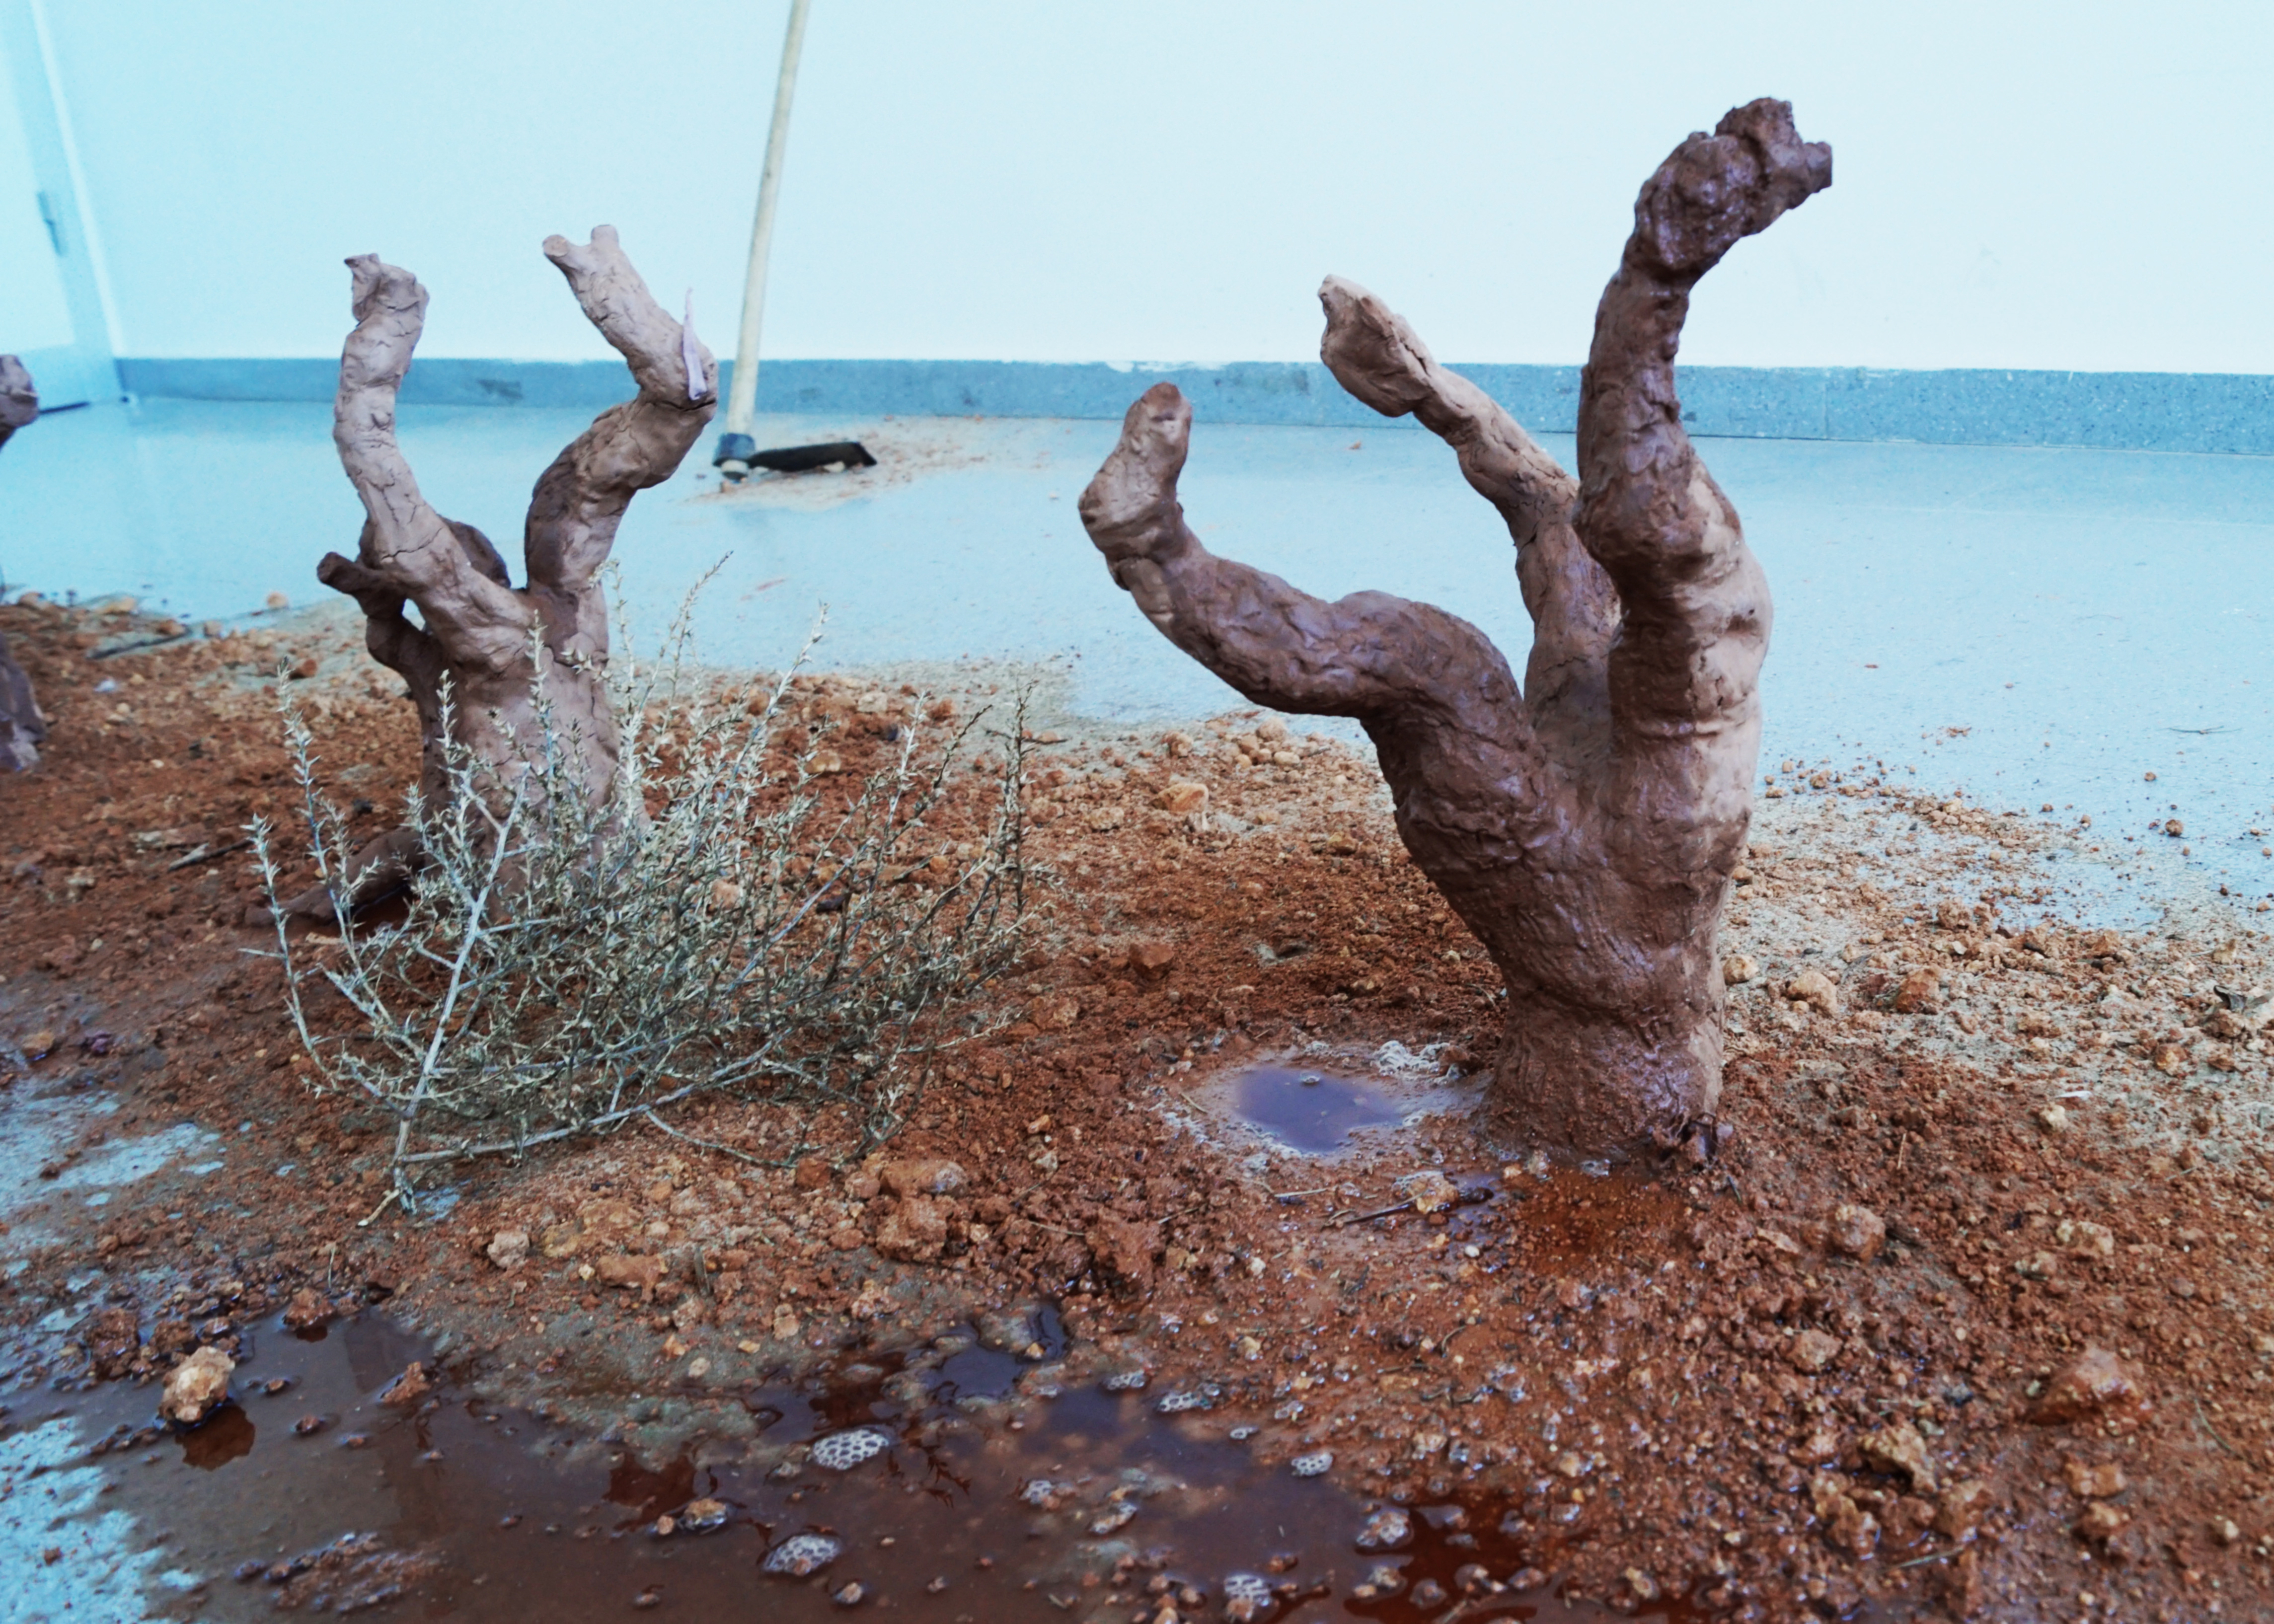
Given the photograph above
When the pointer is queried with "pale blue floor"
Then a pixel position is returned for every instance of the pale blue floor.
(2105, 602)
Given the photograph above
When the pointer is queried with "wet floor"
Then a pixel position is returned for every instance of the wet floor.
(912, 1482)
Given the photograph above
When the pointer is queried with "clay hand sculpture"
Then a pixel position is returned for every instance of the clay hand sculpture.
(497, 649)
(1584, 826)
(23, 729)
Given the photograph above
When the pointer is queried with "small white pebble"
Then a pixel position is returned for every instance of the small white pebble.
(802, 1555)
(843, 1451)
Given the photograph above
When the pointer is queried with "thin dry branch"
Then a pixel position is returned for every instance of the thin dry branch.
(563, 971)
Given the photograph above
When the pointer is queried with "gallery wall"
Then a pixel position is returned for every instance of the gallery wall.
(2022, 185)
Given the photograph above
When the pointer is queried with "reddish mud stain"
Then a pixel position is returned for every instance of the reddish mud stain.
(651, 1492)
(491, 1514)
(1574, 1221)
(227, 1435)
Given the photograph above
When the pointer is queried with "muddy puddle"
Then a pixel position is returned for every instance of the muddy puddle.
(1307, 1109)
(949, 1482)
(1318, 1109)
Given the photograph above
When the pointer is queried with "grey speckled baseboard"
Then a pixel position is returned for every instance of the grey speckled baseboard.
(2225, 412)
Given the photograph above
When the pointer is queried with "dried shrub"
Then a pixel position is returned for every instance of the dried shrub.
(737, 915)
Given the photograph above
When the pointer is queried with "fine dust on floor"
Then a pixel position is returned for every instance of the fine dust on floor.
(1978, 1138)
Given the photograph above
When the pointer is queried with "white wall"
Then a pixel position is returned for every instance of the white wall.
(2064, 185)
(33, 314)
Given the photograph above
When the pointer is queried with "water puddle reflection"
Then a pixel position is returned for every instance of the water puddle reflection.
(951, 1480)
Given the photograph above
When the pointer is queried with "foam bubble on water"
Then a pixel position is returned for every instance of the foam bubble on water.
(1130, 1380)
(1312, 1465)
(1186, 1398)
(843, 1451)
(1399, 1060)
(802, 1555)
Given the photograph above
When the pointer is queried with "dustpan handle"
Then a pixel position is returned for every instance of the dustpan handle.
(742, 394)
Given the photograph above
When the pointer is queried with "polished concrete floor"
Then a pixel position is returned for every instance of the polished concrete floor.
(2030, 624)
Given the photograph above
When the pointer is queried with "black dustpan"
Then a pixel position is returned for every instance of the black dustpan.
(738, 454)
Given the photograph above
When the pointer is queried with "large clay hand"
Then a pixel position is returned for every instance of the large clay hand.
(1130, 509)
(1716, 189)
(1372, 352)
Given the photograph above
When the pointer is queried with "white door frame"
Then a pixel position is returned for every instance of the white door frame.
(84, 370)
